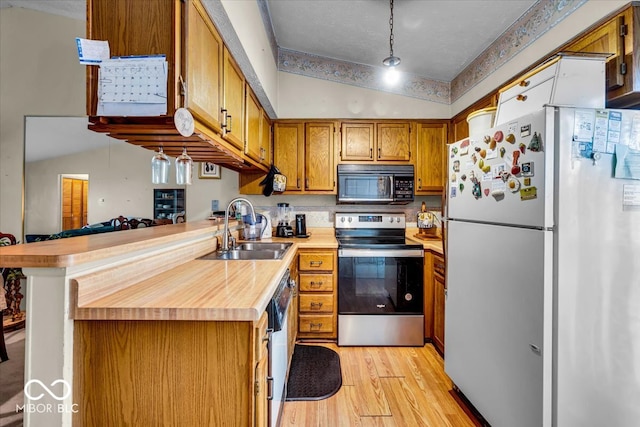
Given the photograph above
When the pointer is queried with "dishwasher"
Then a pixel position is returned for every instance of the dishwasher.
(277, 346)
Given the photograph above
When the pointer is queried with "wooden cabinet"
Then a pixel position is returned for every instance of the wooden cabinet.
(233, 101)
(201, 76)
(203, 58)
(619, 37)
(393, 142)
(261, 391)
(319, 171)
(372, 141)
(265, 140)
(439, 296)
(253, 118)
(304, 153)
(459, 127)
(288, 152)
(430, 169)
(177, 373)
(357, 141)
(318, 294)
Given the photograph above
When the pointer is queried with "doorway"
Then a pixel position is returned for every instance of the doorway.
(74, 210)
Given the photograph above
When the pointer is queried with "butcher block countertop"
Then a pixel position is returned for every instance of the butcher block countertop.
(209, 290)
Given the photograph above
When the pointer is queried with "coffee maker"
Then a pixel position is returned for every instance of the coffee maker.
(284, 228)
(301, 225)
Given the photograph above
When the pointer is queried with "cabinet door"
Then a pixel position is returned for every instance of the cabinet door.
(393, 142)
(319, 157)
(606, 39)
(253, 117)
(265, 139)
(357, 141)
(261, 392)
(438, 312)
(202, 59)
(288, 153)
(233, 105)
(430, 157)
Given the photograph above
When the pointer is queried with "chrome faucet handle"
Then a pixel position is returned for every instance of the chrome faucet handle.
(232, 241)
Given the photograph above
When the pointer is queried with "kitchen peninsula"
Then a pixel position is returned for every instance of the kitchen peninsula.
(142, 331)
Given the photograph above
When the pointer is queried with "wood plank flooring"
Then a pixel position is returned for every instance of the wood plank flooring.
(384, 386)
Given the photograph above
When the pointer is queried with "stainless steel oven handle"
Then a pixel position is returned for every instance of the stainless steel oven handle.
(380, 253)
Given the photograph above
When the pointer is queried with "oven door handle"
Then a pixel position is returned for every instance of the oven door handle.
(380, 253)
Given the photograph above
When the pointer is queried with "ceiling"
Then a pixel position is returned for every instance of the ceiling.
(435, 39)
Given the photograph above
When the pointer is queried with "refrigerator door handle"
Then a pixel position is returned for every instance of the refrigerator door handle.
(535, 349)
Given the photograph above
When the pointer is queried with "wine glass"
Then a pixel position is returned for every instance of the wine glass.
(184, 168)
(160, 166)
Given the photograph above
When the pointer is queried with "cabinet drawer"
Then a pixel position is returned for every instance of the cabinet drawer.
(316, 303)
(316, 282)
(316, 324)
(438, 265)
(525, 103)
(528, 82)
(316, 261)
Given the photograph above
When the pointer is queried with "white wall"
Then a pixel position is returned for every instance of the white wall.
(39, 75)
(584, 17)
(247, 23)
(305, 97)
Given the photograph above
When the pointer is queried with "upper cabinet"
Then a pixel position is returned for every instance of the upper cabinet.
(202, 76)
(233, 103)
(304, 153)
(253, 121)
(375, 141)
(288, 153)
(431, 140)
(619, 37)
(202, 61)
(320, 170)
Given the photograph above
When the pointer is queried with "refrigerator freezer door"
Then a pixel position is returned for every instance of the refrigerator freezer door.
(499, 177)
(598, 290)
(494, 319)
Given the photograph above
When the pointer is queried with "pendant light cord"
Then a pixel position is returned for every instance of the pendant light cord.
(391, 27)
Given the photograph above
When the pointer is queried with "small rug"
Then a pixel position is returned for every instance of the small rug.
(314, 374)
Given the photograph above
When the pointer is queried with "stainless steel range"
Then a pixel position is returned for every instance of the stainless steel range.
(380, 281)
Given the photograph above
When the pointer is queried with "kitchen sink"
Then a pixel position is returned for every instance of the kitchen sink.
(258, 246)
(251, 251)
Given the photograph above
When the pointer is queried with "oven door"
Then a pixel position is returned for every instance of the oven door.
(374, 281)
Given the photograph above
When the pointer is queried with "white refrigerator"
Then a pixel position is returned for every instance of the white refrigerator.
(542, 311)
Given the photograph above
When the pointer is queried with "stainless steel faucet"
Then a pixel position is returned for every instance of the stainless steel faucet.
(225, 237)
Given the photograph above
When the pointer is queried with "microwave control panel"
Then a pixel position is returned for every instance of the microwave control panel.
(403, 188)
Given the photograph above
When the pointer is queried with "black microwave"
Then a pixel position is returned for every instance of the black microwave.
(379, 184)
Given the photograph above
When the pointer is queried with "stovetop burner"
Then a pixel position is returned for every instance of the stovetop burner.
(372, 231)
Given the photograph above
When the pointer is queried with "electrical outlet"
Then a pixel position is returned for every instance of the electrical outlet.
(215, 205)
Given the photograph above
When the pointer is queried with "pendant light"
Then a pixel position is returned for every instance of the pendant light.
(391, 61)
(160, 166)
(184, 168)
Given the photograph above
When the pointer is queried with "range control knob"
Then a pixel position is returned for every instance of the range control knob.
(350, 219)
(341, 219)
(390, 219)
(398, 220)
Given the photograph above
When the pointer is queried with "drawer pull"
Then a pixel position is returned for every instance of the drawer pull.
(312, 263)
(316, 284)
(316, 305)
(524, 83)
(315, 326)
(521, 97)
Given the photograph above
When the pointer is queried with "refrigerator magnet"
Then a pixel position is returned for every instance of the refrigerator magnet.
(527, 169)
(456, 165)
(528, 193)
(527, 181)
(525, 130)
(513, 185)
(536, 143)
(453, 192)
(512, 128)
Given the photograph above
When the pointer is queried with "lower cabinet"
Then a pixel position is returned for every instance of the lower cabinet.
(170, 373)
(439, 296)
(434, 298)
(292, 312)
(262, 371)
(318, 294)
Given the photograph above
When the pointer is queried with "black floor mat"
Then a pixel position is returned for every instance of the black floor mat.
(314, 374)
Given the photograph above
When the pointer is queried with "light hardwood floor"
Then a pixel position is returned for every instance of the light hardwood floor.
(384, 386)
